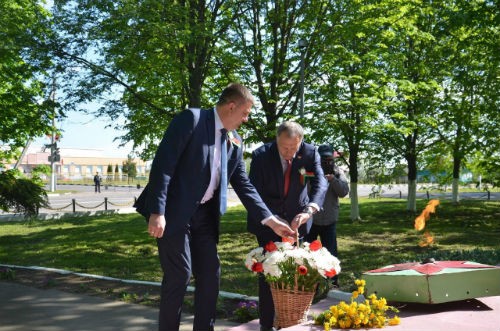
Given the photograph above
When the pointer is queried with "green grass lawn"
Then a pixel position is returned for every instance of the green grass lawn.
(119, 246)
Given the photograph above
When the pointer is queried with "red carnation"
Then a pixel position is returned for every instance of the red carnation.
(315, 245)
(287, 240)
(257, 267)
(302, 269)
(270, 247)
(330, 273)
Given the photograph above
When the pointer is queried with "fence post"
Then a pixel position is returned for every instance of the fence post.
(400, 195)
(427, 194)
(105, 203)
(489, 195)
(73, 201)
(135, 200)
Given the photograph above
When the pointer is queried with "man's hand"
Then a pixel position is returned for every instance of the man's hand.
(280, 228)
(299, 219)
(156, 225)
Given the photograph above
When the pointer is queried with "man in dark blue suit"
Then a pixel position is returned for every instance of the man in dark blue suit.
(185, 200)
(281, 171)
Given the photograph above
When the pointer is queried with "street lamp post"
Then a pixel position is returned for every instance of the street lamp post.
(302, 47)
(53, 144)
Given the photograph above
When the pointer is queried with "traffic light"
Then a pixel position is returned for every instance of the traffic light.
(55, 155)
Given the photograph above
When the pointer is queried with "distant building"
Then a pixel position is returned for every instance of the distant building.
(77, 163)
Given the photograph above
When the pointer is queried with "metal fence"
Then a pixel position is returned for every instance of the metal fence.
(72, 206)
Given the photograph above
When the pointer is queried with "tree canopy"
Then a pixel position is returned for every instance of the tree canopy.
(25, 107)
(387, 81)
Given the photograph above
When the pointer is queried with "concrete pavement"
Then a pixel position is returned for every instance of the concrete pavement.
(481, 314)
(25, 308)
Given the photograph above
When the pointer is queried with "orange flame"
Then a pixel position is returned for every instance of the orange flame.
(420, 220)
(431, 209)
(419, 223)
(427, 239)
(434, 202)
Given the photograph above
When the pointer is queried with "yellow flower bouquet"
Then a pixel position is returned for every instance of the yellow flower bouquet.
(372, 313)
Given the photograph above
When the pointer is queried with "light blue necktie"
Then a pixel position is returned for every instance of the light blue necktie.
(223, 171)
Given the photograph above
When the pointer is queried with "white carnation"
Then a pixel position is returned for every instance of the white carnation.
(255, 255)
(271, 262)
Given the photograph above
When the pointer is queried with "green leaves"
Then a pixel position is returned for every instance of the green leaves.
(23, 73)
(21, 195)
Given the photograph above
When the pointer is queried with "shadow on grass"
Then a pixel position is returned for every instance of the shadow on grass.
(119, 246)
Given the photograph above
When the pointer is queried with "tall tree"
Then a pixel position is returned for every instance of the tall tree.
(413, 64)
(146, 60)
(129, 167)
(347, 83)
(266, 37)
(24, 105)
(468, 122)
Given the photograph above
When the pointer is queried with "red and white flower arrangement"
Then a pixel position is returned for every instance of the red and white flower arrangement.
(291, 266)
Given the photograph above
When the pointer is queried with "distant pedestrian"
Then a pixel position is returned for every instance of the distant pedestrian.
(97, 182)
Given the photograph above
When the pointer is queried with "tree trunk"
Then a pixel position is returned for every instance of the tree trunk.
(195, 87)
(353, 193)
(455, 198)
(353, 174)
(411, 158)
(456, 176)
(412, 195)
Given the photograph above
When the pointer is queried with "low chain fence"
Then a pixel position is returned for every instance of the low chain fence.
(486, 195)
(474, 196)
(72, 206)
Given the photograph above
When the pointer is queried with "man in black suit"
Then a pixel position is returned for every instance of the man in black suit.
(186, 194)
(281, 171)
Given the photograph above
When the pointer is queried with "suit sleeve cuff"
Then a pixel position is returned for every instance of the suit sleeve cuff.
(265, 220)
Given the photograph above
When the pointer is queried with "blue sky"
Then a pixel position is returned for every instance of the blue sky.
(86, 131)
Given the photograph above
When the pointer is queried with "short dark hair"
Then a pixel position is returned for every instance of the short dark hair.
(235, 92)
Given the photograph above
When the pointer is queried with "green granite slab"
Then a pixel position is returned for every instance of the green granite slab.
(437, 286)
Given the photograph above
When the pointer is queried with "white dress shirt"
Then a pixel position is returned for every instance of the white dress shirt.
(215, 166)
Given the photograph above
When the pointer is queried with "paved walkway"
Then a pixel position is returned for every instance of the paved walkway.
(469, 315)
(25, 308)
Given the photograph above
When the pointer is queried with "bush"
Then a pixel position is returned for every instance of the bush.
(21, 195)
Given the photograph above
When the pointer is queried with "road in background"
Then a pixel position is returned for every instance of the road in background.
(122, 198)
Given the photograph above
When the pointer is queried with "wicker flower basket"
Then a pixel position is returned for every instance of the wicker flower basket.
(290, 305)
